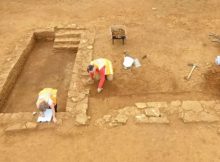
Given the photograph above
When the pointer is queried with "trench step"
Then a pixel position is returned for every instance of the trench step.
(66, 46)
(67, 40)
(67, 34)
(70, 28)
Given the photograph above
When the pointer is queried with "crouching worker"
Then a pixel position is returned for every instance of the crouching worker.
(100, 69)
(47, 99)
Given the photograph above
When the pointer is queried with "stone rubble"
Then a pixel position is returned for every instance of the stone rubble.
(77, 102)
(140, 113)
(159, 120)
(176, 103)
(141, 118)
(152, 112)
(129, 110)
(81, 119)
(192, 106)
(199, 111)
(121, 118)
(157, 104)
(191, 116)
(107, 118)
(141, 105)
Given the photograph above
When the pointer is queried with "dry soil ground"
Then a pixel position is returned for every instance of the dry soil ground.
(170, 33)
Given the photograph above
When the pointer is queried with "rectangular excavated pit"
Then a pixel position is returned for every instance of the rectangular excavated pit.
(44, 67)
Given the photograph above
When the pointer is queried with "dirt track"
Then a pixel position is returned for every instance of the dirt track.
(170, 33)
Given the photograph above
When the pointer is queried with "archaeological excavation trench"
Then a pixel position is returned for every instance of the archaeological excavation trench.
(48, 64)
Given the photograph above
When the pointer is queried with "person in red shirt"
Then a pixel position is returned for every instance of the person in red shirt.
(100, 69)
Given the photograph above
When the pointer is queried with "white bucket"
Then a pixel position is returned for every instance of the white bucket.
(217, 60)
(137, 63)
(128, 62)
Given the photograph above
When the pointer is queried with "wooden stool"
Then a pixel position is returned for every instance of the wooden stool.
(118, 32)
(121, 37)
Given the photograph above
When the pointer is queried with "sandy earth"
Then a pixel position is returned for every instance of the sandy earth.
(42, 63)
(170, 34)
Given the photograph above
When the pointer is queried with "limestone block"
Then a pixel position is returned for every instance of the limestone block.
(208, 117)
(173, 110)
(91, 41)
(81, 107)
(141, 118)
(90, 47)
(85, 100)
(79, 97)
(159, 120)
(81, 119)
(84, 40)
(157, 104)
(120, 118)
(154, 112)
(141, 105)
(203, 116)
(70, 106)
(208, 104)
(189, 116)
(72, 26)
(114, 124)
(71, 92)
(176, 103)
(69, 109)
(129, 110)
(107, 118)
(192, 106)
(31, 125)
(74, 99)
(86, 91)
(15, 127)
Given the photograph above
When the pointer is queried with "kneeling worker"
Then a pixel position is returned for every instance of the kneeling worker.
(47, 98)
(100, 69)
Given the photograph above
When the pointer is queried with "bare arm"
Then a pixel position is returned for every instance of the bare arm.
(53, 111)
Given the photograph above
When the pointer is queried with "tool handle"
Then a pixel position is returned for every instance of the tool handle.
(188, 77)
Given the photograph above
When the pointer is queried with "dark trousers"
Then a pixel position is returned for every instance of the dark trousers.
(55, 107)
